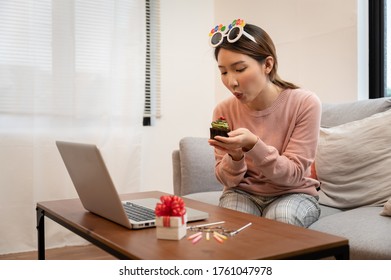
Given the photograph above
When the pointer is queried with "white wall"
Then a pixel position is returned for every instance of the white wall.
(316, 41)
(187, 86)
(317, 47)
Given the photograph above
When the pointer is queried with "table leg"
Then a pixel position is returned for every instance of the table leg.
(41, 233)
(344, 254)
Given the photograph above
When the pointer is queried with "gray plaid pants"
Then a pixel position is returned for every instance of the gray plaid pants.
(298, 208)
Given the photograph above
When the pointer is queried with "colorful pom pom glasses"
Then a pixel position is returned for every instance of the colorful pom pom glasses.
(233, 33)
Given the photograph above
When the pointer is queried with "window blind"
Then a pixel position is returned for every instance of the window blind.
(152, 104)
(25, 43)
(72, 58)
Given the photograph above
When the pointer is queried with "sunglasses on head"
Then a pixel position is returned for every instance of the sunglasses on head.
(233, 33)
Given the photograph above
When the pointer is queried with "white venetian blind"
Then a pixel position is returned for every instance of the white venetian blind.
(25, 44)
(72, 57)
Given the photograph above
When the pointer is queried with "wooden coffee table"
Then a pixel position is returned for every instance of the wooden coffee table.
(264, 239)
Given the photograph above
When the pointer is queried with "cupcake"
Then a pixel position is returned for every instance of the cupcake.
(219, 127)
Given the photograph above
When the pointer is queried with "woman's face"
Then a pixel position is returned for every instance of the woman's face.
(242, 75)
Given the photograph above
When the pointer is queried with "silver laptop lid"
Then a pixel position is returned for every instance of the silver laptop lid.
(92, 181)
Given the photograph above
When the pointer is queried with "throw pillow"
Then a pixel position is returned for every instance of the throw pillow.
(352, 162)
(387, 209)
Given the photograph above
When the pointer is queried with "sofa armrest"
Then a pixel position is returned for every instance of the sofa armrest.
(176, 168)
(193, 167)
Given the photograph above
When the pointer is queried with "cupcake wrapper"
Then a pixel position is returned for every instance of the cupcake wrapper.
(217, 132)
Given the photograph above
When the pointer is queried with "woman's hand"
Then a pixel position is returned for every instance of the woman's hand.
(239, 141)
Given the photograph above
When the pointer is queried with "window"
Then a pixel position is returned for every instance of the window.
(379, 48)
(80, 58)
(71, 70)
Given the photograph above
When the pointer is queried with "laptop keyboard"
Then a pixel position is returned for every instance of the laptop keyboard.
(138, 213)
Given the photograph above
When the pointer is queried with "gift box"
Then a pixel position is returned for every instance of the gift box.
(171, 227)
(171, 218)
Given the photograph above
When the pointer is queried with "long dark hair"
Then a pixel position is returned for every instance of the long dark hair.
(260, 51)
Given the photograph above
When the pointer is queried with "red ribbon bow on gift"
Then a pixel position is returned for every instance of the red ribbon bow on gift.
(171, 205)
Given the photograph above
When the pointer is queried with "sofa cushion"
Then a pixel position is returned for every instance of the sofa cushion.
(337, 114)
(327, 211)
(368, 232)
(351, 160)
(206, 197)
(197, 166)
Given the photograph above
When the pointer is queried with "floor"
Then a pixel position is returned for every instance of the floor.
(87, 252)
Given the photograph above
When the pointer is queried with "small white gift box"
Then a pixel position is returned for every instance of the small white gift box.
(171, 227)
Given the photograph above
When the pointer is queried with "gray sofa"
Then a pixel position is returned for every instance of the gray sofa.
(369, 233)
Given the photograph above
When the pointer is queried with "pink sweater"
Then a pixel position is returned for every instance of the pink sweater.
(280, 162)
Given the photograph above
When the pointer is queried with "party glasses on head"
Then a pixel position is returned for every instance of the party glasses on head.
(233, 33)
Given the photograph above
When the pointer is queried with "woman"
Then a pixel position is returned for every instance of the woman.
(265, 163)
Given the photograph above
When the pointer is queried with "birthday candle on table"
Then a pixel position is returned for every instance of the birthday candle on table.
(220, 235)
(196, 239)
(218, 239)
(195, 235)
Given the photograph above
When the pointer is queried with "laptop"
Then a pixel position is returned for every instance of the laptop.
(98, 194)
